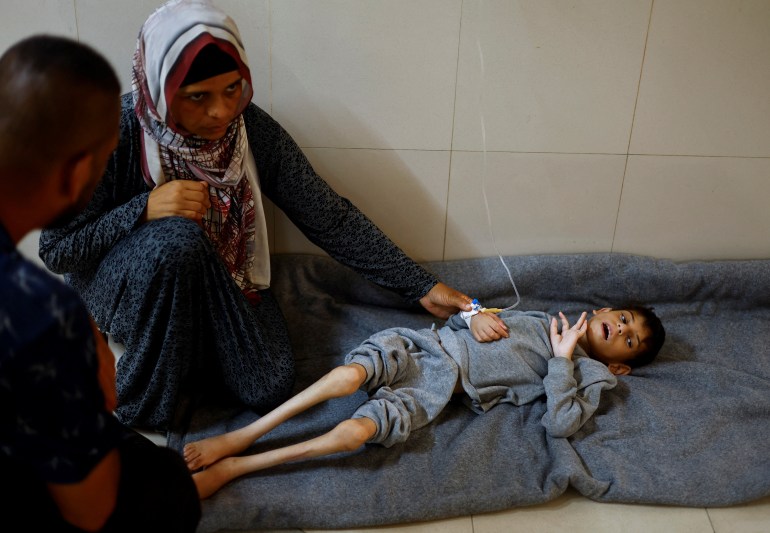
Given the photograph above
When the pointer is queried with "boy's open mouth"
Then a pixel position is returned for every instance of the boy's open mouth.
(606, 329)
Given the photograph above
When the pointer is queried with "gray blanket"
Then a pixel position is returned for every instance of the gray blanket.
(691, 429)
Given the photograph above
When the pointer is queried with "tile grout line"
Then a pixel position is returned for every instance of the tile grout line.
(711, 522)
(77, 26)
(519, 152)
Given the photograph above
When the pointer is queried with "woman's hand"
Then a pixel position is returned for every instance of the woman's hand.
(182, 198)
(443, 301)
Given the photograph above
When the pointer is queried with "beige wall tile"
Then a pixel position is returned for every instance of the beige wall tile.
(695, 208)
(404, 192)
(706, 83)
(558, 76)
(111, 26)
(538, 203)
(352, 74)
(22, 18)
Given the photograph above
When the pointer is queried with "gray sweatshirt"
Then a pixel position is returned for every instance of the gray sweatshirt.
(522, 368)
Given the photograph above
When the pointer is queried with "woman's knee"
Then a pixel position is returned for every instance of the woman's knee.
(175, 240)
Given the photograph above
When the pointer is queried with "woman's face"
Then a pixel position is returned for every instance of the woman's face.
(206, 108)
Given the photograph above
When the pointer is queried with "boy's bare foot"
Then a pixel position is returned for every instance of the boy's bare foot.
(341, 381)
(202, 453)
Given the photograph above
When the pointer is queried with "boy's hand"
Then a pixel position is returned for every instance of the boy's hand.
(488, 327)
(564, 343)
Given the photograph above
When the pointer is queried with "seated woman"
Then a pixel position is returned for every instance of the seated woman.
(171, 255)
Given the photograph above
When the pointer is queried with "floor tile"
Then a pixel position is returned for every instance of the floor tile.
(158, 438)
(749, 518)
(572, 513)
(29, 246)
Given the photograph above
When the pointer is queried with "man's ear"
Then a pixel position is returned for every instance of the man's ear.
(76, 175)
(619, 369)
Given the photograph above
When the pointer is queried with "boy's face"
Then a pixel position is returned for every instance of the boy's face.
(616, 336)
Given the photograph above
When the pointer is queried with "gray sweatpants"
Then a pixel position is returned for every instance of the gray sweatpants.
(409, 379)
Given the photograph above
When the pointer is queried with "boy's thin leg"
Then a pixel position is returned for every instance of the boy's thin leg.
(340, 381)
(348, 435)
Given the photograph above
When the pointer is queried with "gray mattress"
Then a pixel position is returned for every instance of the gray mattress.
(692, 429)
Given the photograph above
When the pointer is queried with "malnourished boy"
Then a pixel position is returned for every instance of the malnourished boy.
(410, 375)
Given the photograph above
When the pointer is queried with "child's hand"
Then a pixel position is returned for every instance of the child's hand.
(488, 327)
(564, 343)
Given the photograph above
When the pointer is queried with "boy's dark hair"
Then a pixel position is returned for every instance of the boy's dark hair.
(654, 342)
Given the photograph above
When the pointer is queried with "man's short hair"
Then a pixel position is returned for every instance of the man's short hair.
(52, 93)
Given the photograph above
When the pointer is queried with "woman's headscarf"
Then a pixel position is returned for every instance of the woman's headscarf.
(167, 46)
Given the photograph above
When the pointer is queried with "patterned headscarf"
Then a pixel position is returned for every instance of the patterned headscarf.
(168, 43)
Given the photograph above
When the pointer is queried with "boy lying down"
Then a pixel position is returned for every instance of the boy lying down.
(410, 375)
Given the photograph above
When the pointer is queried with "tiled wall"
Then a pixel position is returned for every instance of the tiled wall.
(634, 126)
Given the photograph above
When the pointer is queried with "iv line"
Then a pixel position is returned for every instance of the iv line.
(484, 175)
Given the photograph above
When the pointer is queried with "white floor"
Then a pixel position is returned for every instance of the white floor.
(572, 513)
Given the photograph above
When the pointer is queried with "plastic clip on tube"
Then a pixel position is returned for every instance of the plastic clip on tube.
(477, 308)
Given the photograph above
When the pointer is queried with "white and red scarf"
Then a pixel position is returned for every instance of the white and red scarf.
(168, 43)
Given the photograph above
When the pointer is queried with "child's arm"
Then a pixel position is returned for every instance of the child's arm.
(571, 403)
